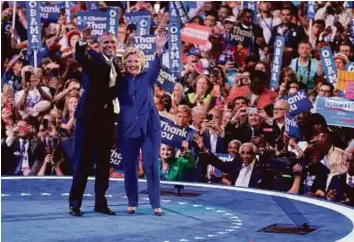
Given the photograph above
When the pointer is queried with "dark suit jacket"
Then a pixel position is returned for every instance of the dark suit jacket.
(221, 145)
(259, 177)
(244, 133)
(138, 113)
(343, 191)
(35, 157)
(95, 82)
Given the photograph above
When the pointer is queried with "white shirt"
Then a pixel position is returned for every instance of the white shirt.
(33, 96)
(213, 141)
(113, 74)
(25, 162)
(244, 176)
(268, 24)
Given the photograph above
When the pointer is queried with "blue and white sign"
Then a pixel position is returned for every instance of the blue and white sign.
(166, 80)
(337, 111)
(253, 6)
(174, 43)
(133, 17)
(328, 64)
(349, 66)
(50, 11)
(298, 103)
(292, 128)
(148, 46)
(143, 25)
(172, 134)
(34, 25)
(277, 61)
(223, 158)
(311, 11)
(181, 11)
(100, 22)
(116, 160)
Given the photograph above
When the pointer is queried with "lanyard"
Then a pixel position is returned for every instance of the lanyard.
(308, 69)
(270, 27)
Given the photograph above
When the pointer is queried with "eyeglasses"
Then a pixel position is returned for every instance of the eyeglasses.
(279, 109)
(325, 91)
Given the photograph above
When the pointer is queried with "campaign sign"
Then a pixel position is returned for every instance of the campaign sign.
(311, 10)
(181, 11)
(34, 25)
(337, 111)
(241, 35)
(116, 160)
(166, 80)
(253, 6)
(298, 102)
(172, 134)
(350, 66)
(50, 11)
(133, 17)
(175, 48)
(143, 25)
(223, 158)
(292, 128)
(328, 64)
(277, 61)
(99, 21)
(196, 34)
(349, 90)
(147, 45)
(173, 13)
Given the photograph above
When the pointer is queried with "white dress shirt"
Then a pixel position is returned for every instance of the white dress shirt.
(244, 176)
(25, 162)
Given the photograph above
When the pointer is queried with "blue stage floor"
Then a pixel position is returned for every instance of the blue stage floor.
(36, 209)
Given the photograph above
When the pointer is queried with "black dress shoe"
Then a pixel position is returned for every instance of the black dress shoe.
(75, 211)
(105, 210)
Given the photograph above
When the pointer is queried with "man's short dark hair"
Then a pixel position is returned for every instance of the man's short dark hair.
(320, 22)
(328, 85)
(257, 76)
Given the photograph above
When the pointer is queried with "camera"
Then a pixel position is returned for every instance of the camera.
(209, 117)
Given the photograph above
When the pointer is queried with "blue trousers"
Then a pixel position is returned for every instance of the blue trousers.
(130, 150)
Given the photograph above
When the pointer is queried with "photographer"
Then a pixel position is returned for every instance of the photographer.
(54, 163)
(26, 152)
(34, 99)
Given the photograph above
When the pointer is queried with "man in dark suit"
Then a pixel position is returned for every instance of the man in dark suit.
(256, 130)
(245, 173)
(94, 120)
(25, 154)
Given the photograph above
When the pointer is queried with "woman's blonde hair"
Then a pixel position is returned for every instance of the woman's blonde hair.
(131, 51)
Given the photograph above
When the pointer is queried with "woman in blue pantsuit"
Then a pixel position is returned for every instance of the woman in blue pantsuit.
(139, 124)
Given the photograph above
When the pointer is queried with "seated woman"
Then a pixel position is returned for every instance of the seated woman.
(172, 168)
(202, 95)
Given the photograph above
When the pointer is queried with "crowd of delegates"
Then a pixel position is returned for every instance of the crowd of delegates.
(223, 93)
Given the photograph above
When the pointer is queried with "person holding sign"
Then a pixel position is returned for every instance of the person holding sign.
(139, 124)
(94, 120)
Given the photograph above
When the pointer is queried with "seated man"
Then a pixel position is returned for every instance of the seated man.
(245, 173)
